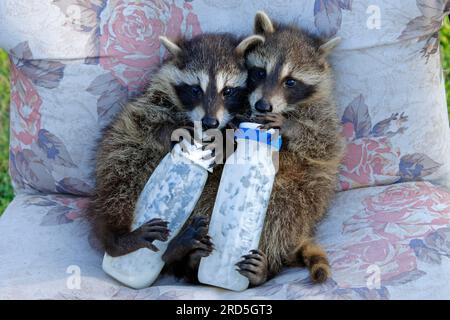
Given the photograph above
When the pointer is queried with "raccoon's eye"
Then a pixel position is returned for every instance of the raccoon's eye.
(228, 91)
(257, 74)
(289, 83)
(196, 90)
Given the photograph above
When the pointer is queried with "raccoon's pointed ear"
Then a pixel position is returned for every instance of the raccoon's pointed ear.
(172, 47)
(328, 46)
(263, 24)
(248, 43)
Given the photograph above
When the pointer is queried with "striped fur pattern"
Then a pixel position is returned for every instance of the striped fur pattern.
(291, 74)
(188, 87)
(312, 149)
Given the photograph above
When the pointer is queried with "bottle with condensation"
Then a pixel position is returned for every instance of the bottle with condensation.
(241, 204)
(170, 194)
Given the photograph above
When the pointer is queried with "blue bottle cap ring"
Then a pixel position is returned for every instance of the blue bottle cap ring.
(251, 131)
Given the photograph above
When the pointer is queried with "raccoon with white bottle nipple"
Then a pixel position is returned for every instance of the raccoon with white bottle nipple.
(204, 80)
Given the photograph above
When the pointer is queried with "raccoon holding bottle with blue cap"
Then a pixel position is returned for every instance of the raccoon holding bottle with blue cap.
(291, 90)
(203, 80)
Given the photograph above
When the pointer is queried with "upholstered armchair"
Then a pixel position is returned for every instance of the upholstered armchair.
(75, 62)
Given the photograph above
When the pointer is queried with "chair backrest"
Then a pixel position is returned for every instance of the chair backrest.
(75, 62)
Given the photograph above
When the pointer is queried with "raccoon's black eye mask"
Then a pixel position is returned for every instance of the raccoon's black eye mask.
(192, 95)
(296, 90)
(256, 75)
(189, 95)
(229, 92)
(235, 98)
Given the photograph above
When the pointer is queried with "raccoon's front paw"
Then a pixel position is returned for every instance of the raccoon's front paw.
(254, 266)
(204, 149)
(142, 237)
(213, 153)
(272, 120)
(193, 243)
(155, 229)
(201, 245)
(202, 249)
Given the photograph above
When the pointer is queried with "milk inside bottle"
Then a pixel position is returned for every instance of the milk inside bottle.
(170, 194)
(241, 204)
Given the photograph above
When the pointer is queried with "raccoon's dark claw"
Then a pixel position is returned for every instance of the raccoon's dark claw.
(271, 120)
(155, 229)
(254, 266)
(194, 240)
(142, 237)
(203, 248)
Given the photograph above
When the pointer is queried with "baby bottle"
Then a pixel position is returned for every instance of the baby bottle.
(241, 204)
(170, 194)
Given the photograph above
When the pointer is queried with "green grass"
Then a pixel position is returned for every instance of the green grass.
(6, 192)
(445, 44)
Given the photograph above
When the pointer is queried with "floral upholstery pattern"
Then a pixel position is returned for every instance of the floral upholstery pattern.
(61, 88)
(371, 158)
(393, 242)
(69, 81)
(399, 227)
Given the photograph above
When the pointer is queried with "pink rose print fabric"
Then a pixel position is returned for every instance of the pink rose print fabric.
(26, 76)
(124, 41)
(389, 240)
(393, 214)
(34, 151)
(60, 209)
(397, 229)
(129, 38)
(371, 158)
(130, 50)
(115, 50)
(27, 101)
(122, 46)
(74, 63)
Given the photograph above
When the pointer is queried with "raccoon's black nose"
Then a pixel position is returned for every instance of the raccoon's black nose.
(263, 106)
(210, 123)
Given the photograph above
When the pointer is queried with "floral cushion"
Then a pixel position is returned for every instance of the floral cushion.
(384, 242)
(94, 55)
(393, 242)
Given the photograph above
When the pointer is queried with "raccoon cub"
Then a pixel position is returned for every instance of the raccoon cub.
(291, 88)
(204, 80)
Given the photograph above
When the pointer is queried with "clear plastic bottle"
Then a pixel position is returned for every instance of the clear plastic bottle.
(170, 194)
(241, 204)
